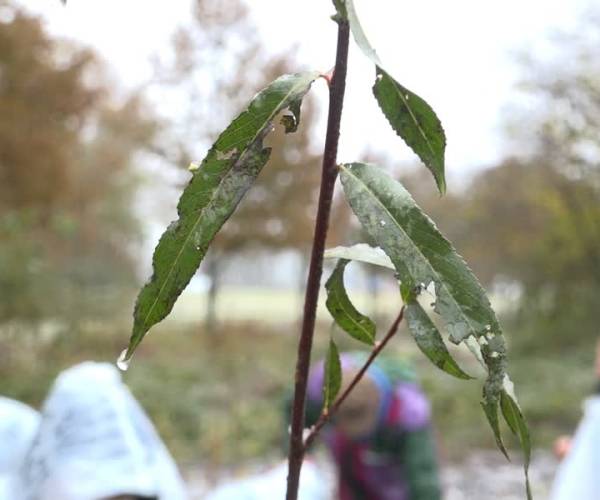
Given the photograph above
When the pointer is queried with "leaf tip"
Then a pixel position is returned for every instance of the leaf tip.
(441, 184)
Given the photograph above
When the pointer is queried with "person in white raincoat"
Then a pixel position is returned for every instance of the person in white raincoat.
(578, 476)
(95, 442)
(18, 426)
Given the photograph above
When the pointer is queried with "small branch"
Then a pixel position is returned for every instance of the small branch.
(328, 178)
(327, 76)
(328, 412)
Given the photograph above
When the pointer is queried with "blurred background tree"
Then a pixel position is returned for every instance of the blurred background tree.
(530, 226)
(67, 149)
(278, 213)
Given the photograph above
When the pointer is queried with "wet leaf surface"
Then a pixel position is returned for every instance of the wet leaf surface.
(213, 193)
(415, 122)
(332, 381)
(425, 260)
(342, 310)
(430, 341)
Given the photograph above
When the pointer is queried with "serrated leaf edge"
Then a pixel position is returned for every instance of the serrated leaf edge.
(439, 283)
(440, 179)
(257, 137)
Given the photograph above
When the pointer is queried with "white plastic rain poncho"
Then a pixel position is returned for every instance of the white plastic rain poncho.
(18, 426)
(95, 441)
(315, 484)
(578, 476)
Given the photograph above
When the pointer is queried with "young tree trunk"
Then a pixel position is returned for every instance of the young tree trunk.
(328, 176)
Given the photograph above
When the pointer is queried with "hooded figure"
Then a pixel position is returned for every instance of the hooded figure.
(95, 442)
(380, 438)
(18, 426)
(578, 475)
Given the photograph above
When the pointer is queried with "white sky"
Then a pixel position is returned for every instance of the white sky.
(458, 55)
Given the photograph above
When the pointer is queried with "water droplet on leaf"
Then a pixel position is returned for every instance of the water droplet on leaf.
(122, 363)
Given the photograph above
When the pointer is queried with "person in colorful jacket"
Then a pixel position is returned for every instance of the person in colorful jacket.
(380, 438)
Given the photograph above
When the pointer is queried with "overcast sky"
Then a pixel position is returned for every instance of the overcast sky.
(458, 55)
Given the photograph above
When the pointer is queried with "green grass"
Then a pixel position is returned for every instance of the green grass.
(217, 399)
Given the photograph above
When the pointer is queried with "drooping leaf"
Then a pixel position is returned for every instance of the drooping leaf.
(332, 379)
(362, 253)
(515, 420)
(493, 352)
(429, 340)
(421, 255)
(408, 114)
(343, 311)
(217, 186)
(415, 122)
(417, 249)
(358, 33)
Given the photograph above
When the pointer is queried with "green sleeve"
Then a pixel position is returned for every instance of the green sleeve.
(421, 465)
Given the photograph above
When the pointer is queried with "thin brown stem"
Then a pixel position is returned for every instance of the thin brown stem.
(326, 415)
(328, 177)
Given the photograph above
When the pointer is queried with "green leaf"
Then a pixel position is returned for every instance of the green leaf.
(362, 253)
(493, 352)
(515, 420)
(421, 255)
(343, 311)
(217, 186)
(491, 401)
(332, 380)
(340, 8)
(429, 340)
(408, 114)
(419, 252)
(415, 122)
(358, 33)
